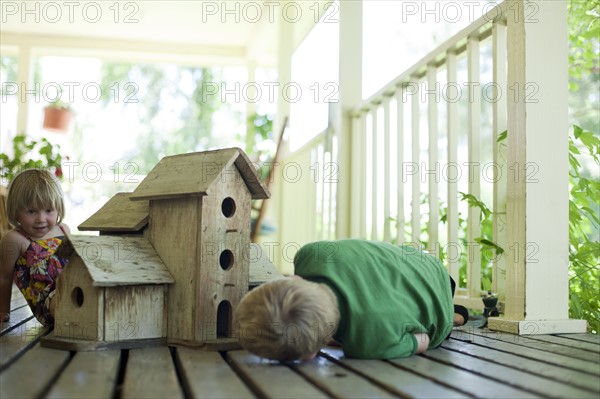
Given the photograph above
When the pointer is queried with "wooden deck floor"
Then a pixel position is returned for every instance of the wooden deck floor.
(473, 363)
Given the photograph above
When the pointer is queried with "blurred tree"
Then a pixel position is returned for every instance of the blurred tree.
(166, 93)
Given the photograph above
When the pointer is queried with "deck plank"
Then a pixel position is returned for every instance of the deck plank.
(594, 339)
(398, 381)
(523, 340)
(459, 379)
(150, 373)
(519, 348)
(557, 339)
(88, 375)
(20, 312)
(338, 381)
(206, 375)
(33, 373)
(507, 375)
(18, 316)
(17, 341)
(271, 379)
(558, 373)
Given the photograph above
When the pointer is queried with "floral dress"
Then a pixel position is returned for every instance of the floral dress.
(36, 272)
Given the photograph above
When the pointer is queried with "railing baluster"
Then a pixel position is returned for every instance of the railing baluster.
(432, 123)
(386, 170)
(315, 188)
(333, 178)
(416, 188)
(356, 187)
(318, 169)
(474, 128)
(363, 177)
(400, 156)
(454, 248)
(374, 193)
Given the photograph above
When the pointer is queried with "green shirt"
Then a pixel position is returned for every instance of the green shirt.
(386, 293)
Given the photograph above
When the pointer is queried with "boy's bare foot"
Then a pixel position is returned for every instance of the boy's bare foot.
(458, 320)
(461, 315)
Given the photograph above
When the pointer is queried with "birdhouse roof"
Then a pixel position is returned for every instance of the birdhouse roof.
(194, 174)
(118, 214)
(118, 261)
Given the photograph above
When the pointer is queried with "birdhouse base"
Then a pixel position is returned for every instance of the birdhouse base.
(73, 344)
(219, 344)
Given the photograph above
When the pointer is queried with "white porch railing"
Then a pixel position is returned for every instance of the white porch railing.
(420, 152)
(307, 185)
(433, 132)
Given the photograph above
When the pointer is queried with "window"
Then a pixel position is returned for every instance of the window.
(8, 97)
(128, 116)
(397, 34)
(314, 82)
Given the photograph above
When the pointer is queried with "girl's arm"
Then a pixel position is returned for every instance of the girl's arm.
(9, 253)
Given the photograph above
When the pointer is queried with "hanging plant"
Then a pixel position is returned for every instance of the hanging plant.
(57, 116)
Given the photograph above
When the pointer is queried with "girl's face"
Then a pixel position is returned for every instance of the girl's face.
(38, 222)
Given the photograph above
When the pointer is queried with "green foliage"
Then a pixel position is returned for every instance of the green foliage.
(584, 114)
(8, 66)
(260, 141)
(151, 90)
(489, 250)
(584, 225)
(59, 104)
(27, 154)
(584, 63)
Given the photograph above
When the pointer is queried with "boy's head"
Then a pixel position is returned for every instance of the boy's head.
(37, 189)
(287, 319)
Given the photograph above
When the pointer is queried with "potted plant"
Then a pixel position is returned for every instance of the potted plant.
(57, 116)
(29, 153)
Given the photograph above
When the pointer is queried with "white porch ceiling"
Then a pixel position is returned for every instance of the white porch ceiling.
(246, 27)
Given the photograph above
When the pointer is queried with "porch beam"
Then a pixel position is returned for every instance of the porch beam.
(350, 93)
(24, 74)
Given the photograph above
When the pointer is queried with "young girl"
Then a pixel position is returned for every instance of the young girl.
(35, 206)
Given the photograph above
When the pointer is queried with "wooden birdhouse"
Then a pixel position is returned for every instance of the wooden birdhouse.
(112, 294)
(199, 224)
(119, 216)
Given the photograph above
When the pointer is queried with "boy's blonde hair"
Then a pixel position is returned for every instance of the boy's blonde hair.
(37, 189)
(287, 319)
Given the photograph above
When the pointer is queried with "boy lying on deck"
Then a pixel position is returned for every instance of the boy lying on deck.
(377, 300)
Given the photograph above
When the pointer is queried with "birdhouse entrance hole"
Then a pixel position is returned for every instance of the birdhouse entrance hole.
(228, 207)
(77, 297)
(224, 320)
(226, 259)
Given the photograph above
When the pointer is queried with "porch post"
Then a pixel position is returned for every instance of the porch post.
(350, 94)
(537, 257)
(24, 74)
(285, 49)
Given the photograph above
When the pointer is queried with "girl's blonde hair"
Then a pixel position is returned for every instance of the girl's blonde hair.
(37, 189)
(287, 319)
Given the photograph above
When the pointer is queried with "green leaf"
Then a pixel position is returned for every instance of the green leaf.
(502, 136)
(485, 242)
